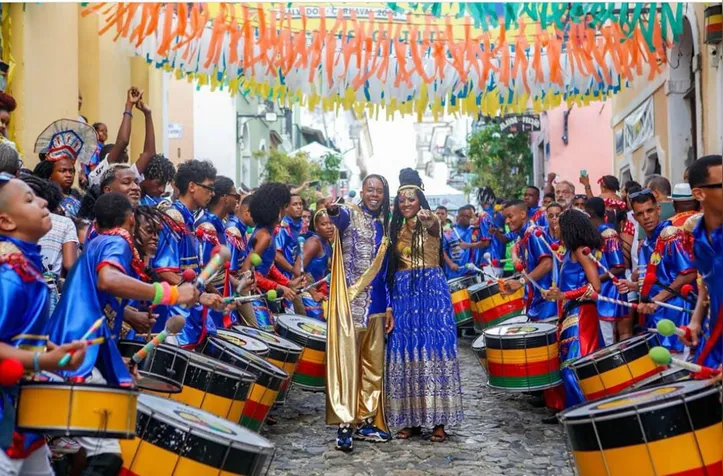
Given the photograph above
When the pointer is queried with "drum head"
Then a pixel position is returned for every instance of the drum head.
(463, 282)
(253, 359)
(516, 320)
(271, 340)
(644, 400)
(515, 331)
(479, 343)
(245, 342)
(203, 424)
(216, 366)
(304, 326)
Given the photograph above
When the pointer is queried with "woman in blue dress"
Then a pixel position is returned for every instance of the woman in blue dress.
(317, 253)
(422, 376)
(580, 329)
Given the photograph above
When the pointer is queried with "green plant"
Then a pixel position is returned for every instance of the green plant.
(501, 161)
(297, 169)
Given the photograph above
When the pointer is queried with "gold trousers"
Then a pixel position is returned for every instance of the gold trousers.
(361, 386)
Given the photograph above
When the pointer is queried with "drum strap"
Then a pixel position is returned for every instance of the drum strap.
(714, 336)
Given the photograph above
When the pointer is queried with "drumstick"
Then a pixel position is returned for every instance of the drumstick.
(587, 252)
(597, 297)
(313, 285)
(214, 265)
(270, 295)
(472, 267)
(66, 358)
(173, 326)
(661, 356)
(667, 328)
(541, 236)
(521, 269)
(301, 242)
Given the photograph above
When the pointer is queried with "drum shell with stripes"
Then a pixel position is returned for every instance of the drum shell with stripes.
(282, 353)
(183, 440)
(461, 304)
(671, 429)
(76, 409)
(269, 379)
(614, 368)
(215, 387)
(310, 334)
(479, 346)
(492, 308)
(162, 370)
(522, 357)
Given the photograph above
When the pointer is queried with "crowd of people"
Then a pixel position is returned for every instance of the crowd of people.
(119, 246)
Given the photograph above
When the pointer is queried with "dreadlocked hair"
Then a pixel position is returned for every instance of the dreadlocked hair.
(576, 231)
(151, 215)
(385, 211)
(160, 168)
(44, 170)
(408, 176)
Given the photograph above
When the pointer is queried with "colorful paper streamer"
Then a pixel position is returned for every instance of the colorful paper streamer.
(462, 58)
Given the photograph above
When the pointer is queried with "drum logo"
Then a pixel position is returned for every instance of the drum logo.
(312, 328)
(638, 398)
(199, 420)
(520, 329)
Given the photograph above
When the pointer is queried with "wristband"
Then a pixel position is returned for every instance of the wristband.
(174, 296)
(159, 293)
(36, 362)
(166, 293)
(128, 113)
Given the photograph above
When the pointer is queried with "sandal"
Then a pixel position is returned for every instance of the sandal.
(436, 437)
(406, 433)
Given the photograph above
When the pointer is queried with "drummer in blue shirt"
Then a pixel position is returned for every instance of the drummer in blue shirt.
(460, 243)
(705, 177)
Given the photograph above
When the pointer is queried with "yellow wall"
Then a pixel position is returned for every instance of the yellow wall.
(58, 53)
(180, 111)
(45, 85)
(711, 100)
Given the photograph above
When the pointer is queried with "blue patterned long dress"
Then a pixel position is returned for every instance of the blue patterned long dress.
(422, 373)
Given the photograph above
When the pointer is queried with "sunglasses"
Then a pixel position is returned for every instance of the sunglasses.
(234, 195)
(645, 191)
(207, 187)
(710, 185)
(580, 197)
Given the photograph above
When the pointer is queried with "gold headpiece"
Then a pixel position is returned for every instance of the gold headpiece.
(319, 212)
(408, 191)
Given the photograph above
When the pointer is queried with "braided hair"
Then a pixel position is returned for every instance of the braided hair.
(486, 195)
(385, 211)
(153, 217)
(577, 231)
(408, 176)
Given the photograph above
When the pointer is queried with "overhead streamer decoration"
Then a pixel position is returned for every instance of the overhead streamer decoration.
(457, 58)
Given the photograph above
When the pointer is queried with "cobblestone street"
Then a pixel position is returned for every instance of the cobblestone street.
(502, 434)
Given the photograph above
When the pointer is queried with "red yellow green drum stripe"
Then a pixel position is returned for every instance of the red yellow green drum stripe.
(461, 306)
(617, 380)
(311, 369)
(257, 407)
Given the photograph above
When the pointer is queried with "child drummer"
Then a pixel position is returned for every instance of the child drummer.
(108, 273)
(24, 219)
